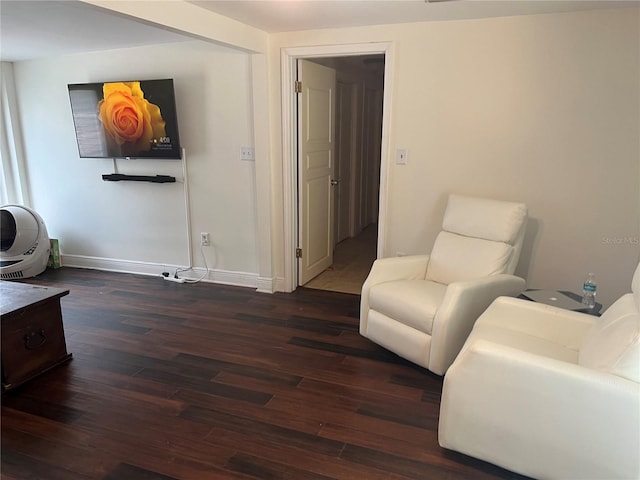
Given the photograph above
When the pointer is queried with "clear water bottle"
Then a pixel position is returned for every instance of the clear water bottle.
(589, 291)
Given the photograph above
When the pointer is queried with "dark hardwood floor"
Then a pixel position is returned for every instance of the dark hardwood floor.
(203, 381)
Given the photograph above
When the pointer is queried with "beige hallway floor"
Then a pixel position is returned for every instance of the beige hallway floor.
(352, 260)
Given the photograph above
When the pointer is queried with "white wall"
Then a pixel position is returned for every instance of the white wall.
(142, 226)
(542, 109)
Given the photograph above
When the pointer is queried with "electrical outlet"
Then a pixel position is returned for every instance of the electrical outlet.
(247, 153)
(204, 239)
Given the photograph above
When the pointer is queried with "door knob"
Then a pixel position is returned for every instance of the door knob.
(335, 182)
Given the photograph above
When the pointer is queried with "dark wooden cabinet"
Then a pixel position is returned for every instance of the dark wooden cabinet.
(32, 336)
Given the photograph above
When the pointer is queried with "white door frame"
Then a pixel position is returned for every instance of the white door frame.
(288, 58)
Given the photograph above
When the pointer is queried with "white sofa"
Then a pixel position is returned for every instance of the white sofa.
(422, 307)
(549, 393)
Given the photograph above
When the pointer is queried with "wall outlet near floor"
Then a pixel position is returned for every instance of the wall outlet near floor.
(204, 239)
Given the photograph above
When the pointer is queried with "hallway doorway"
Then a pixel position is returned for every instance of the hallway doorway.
(290, 164)
(355, 191)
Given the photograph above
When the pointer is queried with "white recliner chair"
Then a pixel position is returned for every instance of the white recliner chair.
(549, 393)
(422, 307)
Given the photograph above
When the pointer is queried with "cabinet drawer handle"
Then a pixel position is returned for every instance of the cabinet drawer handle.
(35, 340)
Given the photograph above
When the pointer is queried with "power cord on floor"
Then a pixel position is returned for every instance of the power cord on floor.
(175, 278)
(195, 280)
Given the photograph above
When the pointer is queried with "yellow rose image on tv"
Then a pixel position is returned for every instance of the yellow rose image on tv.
(131, 123)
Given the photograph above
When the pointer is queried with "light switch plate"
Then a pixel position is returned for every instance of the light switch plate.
(247, 153)
(401, 156)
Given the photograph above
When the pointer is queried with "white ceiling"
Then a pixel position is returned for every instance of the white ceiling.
(32, 29)
(291, 15)
(37, 29)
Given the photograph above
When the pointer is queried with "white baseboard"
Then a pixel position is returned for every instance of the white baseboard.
(278, 284)
(240, 279)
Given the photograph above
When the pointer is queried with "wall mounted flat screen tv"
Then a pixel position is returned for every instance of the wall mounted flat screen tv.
(133, 119)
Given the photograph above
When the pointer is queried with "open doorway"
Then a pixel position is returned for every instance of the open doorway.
(290, 166)
(357, 130)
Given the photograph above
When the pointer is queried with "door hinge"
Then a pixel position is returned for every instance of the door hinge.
(298, 87)
(298, 253)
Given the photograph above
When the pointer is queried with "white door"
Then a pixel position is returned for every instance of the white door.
(316, 112)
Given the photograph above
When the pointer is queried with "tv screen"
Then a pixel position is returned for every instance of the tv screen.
(133, 119)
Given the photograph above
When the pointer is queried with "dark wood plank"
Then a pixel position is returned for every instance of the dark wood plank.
(265, 432)
(268, 470)
(377, 354)
(124, 471)
(18, 466)
(203, 381)
(270, 376)
(46, 408)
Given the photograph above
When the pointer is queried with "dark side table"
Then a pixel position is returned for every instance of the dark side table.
(562, 299)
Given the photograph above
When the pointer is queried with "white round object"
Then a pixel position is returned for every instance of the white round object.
(24, 243)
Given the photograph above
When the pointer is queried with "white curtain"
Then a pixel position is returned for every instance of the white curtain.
(13, 174)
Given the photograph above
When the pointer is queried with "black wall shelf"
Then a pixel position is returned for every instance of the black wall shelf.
(117, 177)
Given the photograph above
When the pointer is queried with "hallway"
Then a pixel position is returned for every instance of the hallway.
(352, 260)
